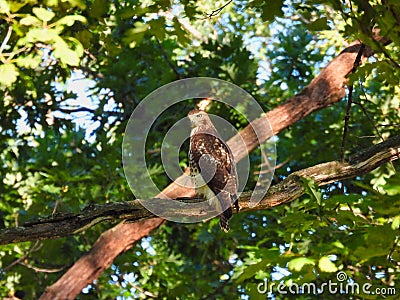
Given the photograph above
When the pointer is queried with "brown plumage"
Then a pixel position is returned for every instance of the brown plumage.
(212, 167)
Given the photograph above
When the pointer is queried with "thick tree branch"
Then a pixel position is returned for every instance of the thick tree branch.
(324, 90)
(61, 224)
(102, 254)
(283, 192)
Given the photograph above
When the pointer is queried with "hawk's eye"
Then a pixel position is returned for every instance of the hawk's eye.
(198, 116)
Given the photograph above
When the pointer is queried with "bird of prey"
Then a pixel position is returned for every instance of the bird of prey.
(212, 167)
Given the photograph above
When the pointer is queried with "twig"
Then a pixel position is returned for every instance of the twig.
(6, 39)
(217, 11)
(357, 61)
(41, 270)
(370, 120)
(92, 57)
(169, 62)
(389, 256)
(33, 248)
(390, 125)
(349, 102)
(74, 110)
(90, 72)
(385, 53)
(146, 293)
(346, 123)
(12, 54)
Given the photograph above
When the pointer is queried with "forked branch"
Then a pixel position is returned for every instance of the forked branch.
(291, 188)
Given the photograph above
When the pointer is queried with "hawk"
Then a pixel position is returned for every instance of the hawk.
(212, 168)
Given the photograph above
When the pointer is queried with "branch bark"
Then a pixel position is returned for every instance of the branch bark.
(324, 90)
(287, 190)
(102, 253)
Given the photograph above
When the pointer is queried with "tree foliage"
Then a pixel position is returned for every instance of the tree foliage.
(61, 153)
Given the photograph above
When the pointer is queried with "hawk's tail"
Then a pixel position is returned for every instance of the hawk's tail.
(224, 219)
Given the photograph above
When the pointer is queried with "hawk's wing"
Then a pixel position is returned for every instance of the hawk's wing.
(217, 167)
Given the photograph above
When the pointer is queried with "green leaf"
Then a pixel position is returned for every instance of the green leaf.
(98, 8)
(9, 179)
(65, 54)
(31, 61)
(312, 189)
(77, 3)
(253, 290)
(8, 74)
(338, 244)
(181, 34)
(70, 20)
(51, 188)
(85, 37)
(381, 236)
(135, 35)
(127, 12)
(76, 45)
(157, 28)
(396, 222)
(29, 21)
(40, 34)
(4, 7)
(325, 265)
(298, 263)
(271, 9)
(251, 270)
(365, 253)
(52, 3)
(43, 14)
(392, 186)
(319, 25)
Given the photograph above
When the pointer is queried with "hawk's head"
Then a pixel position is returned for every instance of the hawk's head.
(198, 118)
